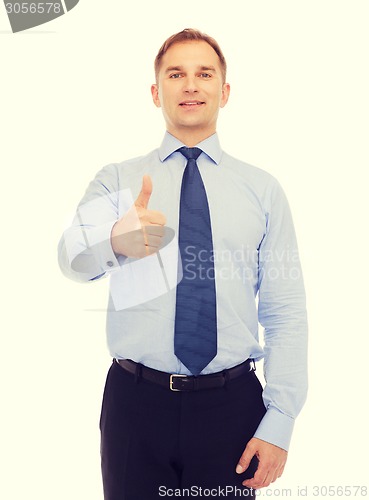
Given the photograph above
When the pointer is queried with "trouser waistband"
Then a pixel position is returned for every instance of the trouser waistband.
(177, 382)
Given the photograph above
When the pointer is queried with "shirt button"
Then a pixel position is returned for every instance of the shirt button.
(110, 263)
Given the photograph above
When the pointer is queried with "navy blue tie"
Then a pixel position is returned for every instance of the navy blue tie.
(195, 339)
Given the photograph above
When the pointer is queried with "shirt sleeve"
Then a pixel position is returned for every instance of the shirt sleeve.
(85, 252)
(282, 314)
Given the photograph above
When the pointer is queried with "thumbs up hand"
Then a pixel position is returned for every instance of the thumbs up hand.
(140, 231)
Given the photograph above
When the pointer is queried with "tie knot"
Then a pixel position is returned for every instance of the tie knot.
(190, 153)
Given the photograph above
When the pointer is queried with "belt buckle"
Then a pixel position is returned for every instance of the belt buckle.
(174, 375)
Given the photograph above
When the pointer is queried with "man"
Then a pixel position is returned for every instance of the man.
(182, 407)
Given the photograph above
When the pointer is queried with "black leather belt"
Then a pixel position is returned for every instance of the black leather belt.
(176, 382)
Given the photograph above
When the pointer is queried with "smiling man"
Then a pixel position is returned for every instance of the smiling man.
(183, 411)
(190, 93)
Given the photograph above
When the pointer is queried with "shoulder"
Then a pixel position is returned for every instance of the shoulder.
(139, 160)
(114, 177)
(253, 178)
(132, 163)
(126, 167)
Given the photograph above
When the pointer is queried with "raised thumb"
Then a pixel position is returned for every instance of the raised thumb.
(145, 193)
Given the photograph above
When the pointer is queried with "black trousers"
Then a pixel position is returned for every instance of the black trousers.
(156, 443)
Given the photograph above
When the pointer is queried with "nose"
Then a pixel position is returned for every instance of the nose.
(190, 85)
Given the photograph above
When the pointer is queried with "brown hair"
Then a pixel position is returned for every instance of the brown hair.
(186, 35)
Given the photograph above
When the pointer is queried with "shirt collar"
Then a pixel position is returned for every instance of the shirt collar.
(210, 146)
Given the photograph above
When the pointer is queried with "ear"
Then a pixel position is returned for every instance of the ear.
(155, 95)
(225, 94)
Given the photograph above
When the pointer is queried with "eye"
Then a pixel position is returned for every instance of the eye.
(205, 75)
(175, 76)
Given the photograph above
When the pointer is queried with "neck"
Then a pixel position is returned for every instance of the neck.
(191, 137)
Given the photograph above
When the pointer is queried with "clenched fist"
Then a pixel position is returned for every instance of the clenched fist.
(140, 231)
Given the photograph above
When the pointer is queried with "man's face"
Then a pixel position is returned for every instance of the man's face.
(190, 89)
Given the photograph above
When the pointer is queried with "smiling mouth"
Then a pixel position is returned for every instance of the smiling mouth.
(191, 103)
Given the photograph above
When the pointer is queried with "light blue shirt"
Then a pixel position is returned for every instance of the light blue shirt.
(257, 272)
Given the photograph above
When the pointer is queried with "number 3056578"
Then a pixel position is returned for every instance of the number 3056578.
(33, 8)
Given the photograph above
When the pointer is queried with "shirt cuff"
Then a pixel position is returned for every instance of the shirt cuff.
(276, 428)
(100, 245)
(90, 252)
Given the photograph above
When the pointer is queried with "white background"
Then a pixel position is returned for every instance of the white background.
(75, 97)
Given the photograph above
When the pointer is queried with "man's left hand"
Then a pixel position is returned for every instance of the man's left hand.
(272, 460)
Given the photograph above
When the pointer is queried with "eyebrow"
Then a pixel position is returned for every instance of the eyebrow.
(180, 68)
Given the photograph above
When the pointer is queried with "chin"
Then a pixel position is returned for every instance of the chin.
(193, 123)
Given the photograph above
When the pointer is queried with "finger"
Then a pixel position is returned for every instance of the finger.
(275, 476)
(245, 459)
(158, 231)
(153, 217)
(145, 241)
(263, 477)
(153, 237)
(153, 241)
(268, 479)
(259, 479)
(150, 250)
(145, 193)
(281, 470)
